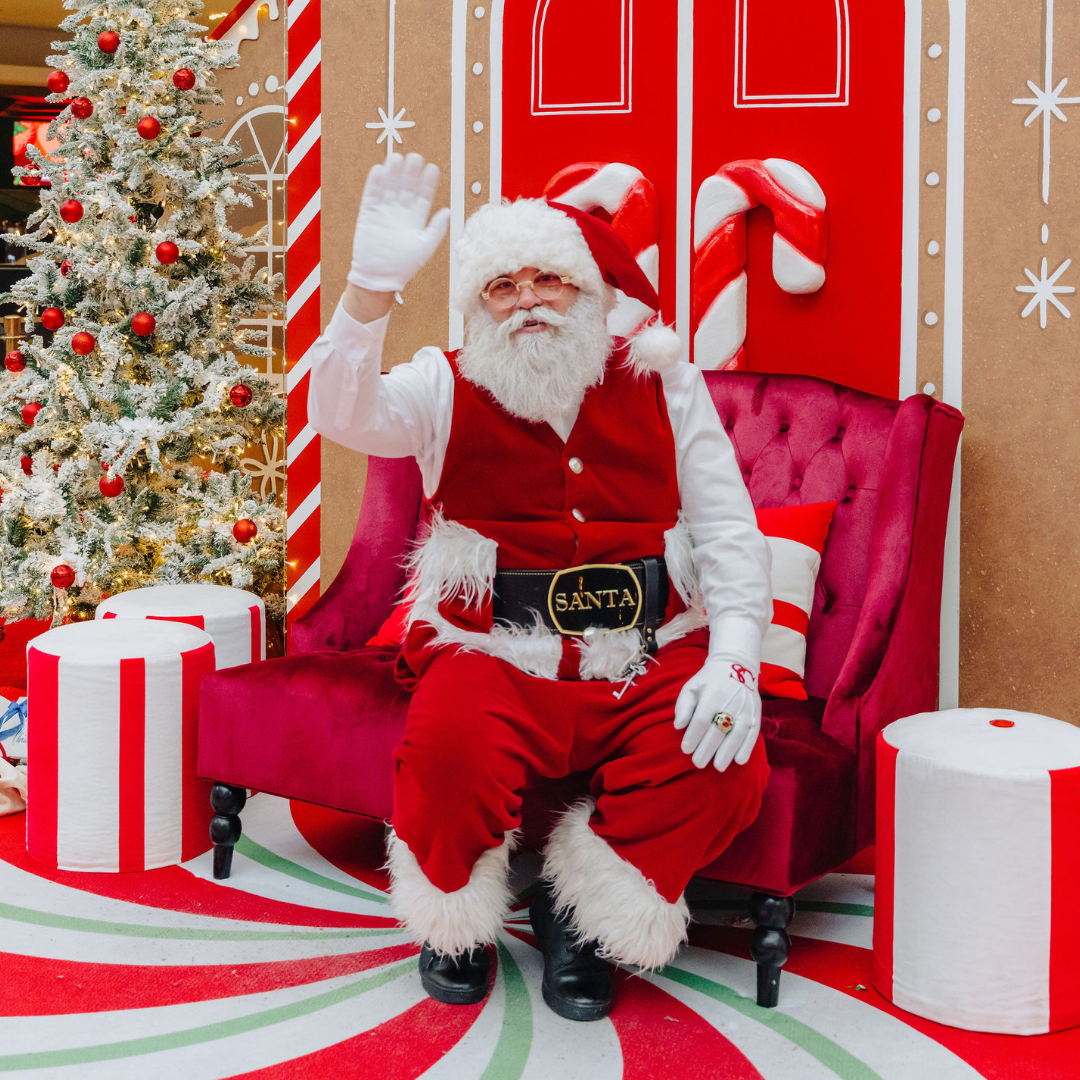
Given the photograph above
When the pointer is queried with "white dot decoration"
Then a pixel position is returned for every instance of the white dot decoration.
(933, 115)
(934, 51)
(239, 100)
(478, 12)
(271, 84)
(932, 179)
(477, 187)
(478, 126)
(1045, 233)
(930, 318)
(929, 388)
(478, 68)
(933, 247)
(253, 89)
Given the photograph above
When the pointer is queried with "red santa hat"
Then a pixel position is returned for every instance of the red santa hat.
(501, 238)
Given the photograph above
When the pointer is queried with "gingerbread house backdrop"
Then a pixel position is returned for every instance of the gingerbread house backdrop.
(877, 193)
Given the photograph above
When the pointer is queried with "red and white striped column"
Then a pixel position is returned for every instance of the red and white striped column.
(303, 489)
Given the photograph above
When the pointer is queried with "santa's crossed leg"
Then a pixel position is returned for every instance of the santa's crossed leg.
(588, 596)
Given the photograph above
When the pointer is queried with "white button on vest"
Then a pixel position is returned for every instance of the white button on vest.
(578, 514)
(575, 464)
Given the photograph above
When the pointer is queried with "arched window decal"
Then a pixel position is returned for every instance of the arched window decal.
(582, 71)
(791, 53)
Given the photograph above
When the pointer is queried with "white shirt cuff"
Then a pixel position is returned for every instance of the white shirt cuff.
(352, 339)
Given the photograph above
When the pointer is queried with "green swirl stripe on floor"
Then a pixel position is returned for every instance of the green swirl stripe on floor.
(176, 933)
(272, 861)
(515, 1039)
(833, 1056)
(175, 1040)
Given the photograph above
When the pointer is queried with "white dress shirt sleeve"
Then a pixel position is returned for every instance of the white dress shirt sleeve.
(404, 413)
(731, 555)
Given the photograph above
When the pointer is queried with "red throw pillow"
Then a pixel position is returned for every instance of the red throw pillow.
(796, 535)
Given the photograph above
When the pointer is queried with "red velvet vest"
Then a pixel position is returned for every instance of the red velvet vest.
(512, 481)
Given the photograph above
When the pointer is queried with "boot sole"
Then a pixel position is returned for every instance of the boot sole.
(454, 997)
(568, 1011)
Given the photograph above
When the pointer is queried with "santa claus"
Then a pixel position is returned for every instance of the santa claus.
(589, 594)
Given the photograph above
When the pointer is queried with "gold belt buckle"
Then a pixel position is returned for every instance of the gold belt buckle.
(607, 595)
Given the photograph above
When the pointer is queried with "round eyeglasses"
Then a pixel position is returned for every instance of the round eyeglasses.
(503, 292)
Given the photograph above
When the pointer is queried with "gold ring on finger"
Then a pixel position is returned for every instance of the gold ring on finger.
(724, 721)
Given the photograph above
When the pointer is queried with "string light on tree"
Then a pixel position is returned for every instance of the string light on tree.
(138, 383)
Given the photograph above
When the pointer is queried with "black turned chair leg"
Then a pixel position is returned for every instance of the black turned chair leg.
(769, 943)
(225, 830)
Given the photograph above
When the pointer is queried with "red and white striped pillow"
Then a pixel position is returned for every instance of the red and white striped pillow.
(796, 535)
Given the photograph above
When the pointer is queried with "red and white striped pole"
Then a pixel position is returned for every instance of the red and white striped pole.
(304, 97)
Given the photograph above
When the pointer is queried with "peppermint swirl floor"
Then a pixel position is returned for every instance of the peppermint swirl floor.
(294, 968)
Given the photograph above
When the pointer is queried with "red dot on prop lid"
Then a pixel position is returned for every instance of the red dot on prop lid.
(1003, 723)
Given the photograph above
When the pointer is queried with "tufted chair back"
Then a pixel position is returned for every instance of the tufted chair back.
(800, 440)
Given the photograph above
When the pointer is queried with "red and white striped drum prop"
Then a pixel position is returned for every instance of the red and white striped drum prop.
(798, 257)
(630, 200)
(114, 710)
(235, 619)
(978, 870)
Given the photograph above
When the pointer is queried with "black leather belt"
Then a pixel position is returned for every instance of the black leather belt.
(611, 596)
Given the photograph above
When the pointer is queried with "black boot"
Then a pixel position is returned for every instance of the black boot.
(460, 980)
(577, 984)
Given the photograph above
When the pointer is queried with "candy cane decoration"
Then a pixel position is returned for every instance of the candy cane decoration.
(799, 245)
(622, 192)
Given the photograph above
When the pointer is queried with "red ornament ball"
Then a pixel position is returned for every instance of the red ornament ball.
(82, 107)
(62, 576)
(240, 396)
(65, 268)
(143, 324)
(27, 463)
(52, 318)
(58, 82)
(167, 252)
(108, 41)
(111, 488)
(15, 361)
(83, 343)
(244, 530)
(29, 412)
(183, 78)
(148, 127)
(71, 211)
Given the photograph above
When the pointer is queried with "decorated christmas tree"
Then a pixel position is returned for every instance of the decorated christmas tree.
(124, 414)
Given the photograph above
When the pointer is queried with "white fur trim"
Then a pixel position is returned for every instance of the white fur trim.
(679, 556)
(535, 650)
(502, 238)
(452, 560)
(608, 655)
(656, 348)
(451, 923)
(611, 901)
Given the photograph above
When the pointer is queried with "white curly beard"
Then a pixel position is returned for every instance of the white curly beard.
(543, 375)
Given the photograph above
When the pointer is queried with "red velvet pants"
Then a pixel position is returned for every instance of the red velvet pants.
(479, 730)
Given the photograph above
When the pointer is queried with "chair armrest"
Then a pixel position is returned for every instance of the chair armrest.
(370, 581)
(891, 668)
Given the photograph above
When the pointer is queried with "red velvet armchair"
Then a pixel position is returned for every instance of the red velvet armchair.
(872, 653)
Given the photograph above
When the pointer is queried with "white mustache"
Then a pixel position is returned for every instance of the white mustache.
(537, 314)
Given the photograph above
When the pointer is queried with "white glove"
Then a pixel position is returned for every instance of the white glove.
(393, 237)
(721, 686)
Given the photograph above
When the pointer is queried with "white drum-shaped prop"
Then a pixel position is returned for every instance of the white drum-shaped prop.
(978, 870)
(235, 619)
(114, 717)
